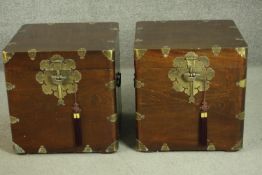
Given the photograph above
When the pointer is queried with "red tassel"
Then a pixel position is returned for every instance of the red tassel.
(77, 124)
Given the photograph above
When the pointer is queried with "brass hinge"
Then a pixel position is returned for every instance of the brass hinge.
(241, 116)
(113, 147)
(165, 147)
(237, 146)
(9, 86)
(140, 53)
(139, 84)
(111, 85)
(7, 56)
(241, 83)
(139, 116)
(81, 53)
(108, 54)
(14, 120)
(140, 146)
(241, 51)
(42, 150)
(87, 149)
(165, 51)
(18, 149)
(216, 50)
(32, 54)
(112, 118)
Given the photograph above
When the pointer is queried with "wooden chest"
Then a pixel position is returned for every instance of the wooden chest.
(63, 87)
(190, 79)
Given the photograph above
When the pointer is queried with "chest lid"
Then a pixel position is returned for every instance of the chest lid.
(96, 43)
(191, 34)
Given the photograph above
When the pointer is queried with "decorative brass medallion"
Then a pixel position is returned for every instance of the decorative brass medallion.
(211, 147)
(42, 150)
(9, 86)
(112, 118)
(165, 147)
(58, 76)
(87, 149)
(191, 74)
(81, 53)
(32, 54)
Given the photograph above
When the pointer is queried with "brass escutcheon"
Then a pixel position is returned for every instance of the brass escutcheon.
(191, 74)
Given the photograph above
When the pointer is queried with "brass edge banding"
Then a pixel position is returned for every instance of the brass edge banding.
(241, 51)
(165, 147)
(32, 54)
(216, 50)
(139, 116)
(87, 149)
(109, 54)
(140, 146)
(165, 51)
(241, 83)
(81, 53)
(211, 147)
(241, 116)
(7, 56)
(42, 150)
(113, 147)
(139, 84)
(18, 149)
(237, 146)
(112, 118)
(14, 119)
(111, 85)
(9, 86)
(140, 53)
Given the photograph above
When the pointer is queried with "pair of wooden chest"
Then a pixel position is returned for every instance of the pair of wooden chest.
(63, 84)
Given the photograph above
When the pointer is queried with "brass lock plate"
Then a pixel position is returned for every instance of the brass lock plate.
(58, 77)
(191, 74)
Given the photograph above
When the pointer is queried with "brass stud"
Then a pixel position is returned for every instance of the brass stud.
(81, 53)
(111, 85)
(241, 83)
(87, 149)
(216, 50)
(32, 54)
(112, 118)
(139, 84)
(9, 86)
(165, 51)
(165, 147)
(139, 116)
(42, 150)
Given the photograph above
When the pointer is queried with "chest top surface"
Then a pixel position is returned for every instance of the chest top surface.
(196, 34)
(64, 37)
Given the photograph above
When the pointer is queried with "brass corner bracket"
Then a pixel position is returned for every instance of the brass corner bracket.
(140, 146)
(109, 54)
(139, 53)
(241, 51)
(18, 149)
(7, 56)
(113, 147)
(237, 146)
